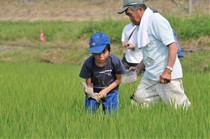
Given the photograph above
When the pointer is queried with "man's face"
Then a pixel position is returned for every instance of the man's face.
(134, 16)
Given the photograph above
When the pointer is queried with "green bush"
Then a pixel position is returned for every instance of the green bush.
(191, 27)
(66, 32)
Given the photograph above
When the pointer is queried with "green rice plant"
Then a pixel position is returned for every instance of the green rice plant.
(46, 101)
(196, 61)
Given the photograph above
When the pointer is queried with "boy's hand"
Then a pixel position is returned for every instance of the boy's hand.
(89, 92)
(102, 94)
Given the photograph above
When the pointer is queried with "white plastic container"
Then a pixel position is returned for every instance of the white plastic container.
(129, 77)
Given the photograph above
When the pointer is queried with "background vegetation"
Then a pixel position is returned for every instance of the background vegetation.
(68, 32)
(66, 39)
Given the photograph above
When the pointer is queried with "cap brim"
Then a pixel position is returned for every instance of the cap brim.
(122, 10)
(97, 49)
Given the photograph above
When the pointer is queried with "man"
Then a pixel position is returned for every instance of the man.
(162, 78)
(133, 54)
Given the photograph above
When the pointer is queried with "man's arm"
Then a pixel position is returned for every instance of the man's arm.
(165, 77)
(140, 67)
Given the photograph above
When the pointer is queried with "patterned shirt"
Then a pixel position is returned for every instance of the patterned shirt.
(101, 77)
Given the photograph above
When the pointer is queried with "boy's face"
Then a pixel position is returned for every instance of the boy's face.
(101, 57)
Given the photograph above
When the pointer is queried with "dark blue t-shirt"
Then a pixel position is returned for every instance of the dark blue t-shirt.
(102, 77)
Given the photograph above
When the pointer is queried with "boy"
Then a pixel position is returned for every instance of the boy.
(102, 72)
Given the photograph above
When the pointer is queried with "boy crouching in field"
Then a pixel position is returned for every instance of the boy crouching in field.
(102, 72)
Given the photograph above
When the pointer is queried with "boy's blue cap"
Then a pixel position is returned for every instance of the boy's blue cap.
(98, 42)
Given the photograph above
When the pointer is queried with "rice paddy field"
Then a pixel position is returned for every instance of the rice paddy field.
(40, 91)
(40, 100)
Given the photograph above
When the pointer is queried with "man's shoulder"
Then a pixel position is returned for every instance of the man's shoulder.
(128, 26)
(156, 16)
(157, 20)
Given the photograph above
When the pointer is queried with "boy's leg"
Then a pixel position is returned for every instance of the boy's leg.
(91, 104)
(173, 93)
(110, 103)
(146, 93)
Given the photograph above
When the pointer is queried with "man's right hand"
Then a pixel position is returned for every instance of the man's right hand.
(124, 44)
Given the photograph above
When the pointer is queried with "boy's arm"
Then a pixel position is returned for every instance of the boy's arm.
(89, 84)
(105, 91)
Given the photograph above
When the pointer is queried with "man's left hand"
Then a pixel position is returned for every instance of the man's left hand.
(165, 77)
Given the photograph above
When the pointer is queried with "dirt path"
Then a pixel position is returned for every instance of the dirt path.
(86, 9)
